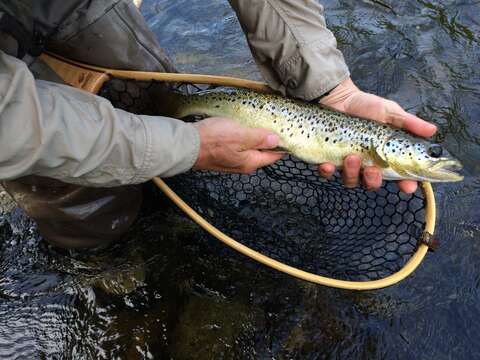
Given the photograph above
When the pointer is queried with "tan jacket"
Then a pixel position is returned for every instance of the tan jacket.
(52, 130)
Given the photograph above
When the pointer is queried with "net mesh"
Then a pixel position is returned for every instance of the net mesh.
(287, 212)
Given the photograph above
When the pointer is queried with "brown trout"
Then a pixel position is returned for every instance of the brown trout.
(315, 134)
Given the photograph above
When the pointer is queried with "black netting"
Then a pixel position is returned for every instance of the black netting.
(287, 212)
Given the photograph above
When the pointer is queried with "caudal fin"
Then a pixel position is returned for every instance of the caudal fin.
(167, 102)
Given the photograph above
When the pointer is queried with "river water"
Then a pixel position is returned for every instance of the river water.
(161, 295)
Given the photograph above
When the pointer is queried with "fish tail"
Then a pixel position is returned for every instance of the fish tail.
(169, 103)
(177, 105)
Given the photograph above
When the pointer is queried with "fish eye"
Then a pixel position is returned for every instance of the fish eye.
(435, 151)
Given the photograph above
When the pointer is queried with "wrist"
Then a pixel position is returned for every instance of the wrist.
(201, 156)
(339, 96)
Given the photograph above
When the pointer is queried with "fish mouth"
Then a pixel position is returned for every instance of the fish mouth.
(445, 170)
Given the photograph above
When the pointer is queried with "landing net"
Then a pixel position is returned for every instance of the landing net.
(290, 214)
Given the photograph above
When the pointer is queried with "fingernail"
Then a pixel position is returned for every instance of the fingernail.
(272, 140)
(433, 127)
(352, 161)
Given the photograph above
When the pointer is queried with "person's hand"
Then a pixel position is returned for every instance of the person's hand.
(226, 146)
(347, 98)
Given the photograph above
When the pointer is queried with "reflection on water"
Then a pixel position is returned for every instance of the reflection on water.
(195, 302)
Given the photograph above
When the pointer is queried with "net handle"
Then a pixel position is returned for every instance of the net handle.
(91, 78)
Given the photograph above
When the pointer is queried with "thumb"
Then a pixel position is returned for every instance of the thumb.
(258, 159)
(259, 139)
(413, 124)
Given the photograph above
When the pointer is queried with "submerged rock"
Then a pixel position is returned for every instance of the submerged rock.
(6, 202)
(210, 327)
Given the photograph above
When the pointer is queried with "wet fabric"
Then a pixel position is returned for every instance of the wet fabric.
(69, 215)
(295, 52)
(80, 138)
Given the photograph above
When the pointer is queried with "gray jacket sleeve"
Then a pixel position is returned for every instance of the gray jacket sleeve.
(296, 53)
(56, 131)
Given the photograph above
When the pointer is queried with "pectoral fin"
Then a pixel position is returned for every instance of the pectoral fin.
(379, 157)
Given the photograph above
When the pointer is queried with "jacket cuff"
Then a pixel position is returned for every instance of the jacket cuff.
(312, 72)
(292, 46)
(171, 147)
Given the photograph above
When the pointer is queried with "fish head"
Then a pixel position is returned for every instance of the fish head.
(418, 159)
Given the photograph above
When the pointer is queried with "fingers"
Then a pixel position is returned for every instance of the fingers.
(412, 123)
(257, 159)
(259, 139)
(326, 170)
(408, 186)
(372, 178)
(395, 115)
(348, 98)
(376, 108)
(351, 170)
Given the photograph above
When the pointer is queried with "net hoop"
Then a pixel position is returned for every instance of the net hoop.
(91, 78)
(408, 268)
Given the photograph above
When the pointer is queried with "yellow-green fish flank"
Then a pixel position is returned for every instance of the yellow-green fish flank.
(316, 134)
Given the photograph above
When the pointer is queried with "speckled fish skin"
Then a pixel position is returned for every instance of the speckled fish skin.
(316, 134)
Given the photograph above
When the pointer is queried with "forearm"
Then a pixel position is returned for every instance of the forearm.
(59, 132)
(292, 46)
